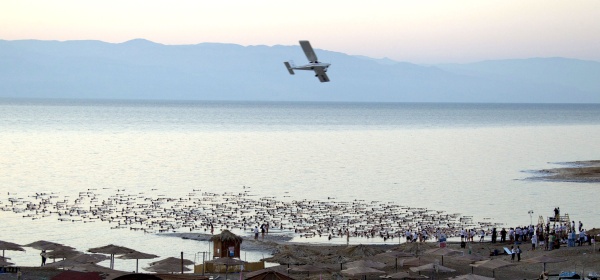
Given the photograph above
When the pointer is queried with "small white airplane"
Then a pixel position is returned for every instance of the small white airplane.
(319, 67)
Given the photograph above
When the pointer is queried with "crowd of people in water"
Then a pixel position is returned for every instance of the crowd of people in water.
(203, 211)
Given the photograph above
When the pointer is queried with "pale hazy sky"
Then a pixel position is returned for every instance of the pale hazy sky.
(416, 31)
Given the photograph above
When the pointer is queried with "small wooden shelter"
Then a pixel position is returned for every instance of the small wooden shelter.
(226, 244)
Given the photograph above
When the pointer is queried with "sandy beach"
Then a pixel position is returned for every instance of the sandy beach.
(580, 259)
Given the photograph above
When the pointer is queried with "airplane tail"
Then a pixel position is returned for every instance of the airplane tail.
(289, 67)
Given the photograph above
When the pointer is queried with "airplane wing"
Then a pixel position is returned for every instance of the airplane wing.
(321, 74)
(308, 51)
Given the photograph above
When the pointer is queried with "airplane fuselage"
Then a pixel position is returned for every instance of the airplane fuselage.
(311, 66)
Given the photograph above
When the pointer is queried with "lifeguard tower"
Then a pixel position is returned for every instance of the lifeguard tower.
(226, 244)
(562, 219)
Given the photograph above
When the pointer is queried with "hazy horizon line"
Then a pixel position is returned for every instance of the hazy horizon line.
(275, 45)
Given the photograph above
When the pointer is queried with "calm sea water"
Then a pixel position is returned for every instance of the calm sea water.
(460, 158)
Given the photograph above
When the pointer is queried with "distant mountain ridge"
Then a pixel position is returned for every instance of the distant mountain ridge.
(141, 69)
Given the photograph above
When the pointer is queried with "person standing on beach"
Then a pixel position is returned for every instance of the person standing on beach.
(503, 235)
(43, 254)
(518, 251)
(512, 253)
(255, 232)
(533, 242)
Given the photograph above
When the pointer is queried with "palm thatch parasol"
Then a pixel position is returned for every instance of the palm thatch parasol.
(544, 259)
(111, 250)
(367, 263)
(287, 258)
(308, 268)
(5, 245)
(471, 277)
(493, 265)
(168, 265)
(361, 271)
(62, 253)
(412, 262)
(172, 260)
(471, 258)
(442, 252)
(78, 260)
(166, 268)
(360, 251)
(399, 275)
(89, 258)
(106, 272)
(137, 256)
(4, 262)
(396, 255)
(432, 267)
(47, 245)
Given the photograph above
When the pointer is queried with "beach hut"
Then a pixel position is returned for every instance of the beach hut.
(226, 244)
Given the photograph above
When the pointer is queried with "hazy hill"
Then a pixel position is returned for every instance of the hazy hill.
(140, 69)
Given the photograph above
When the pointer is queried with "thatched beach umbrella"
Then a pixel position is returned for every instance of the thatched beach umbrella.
(471, 277)
(5, 245)
(471, 258)
(137, 256)
(89, 258)
(493, 265)
(361, 271)
(169, 263)
(396, 255)
(172, 260)
(47, 245)
(62, 253)
(398, 275)
(367, 263)
(432, 267)
(412, 262)
(545, 259)
(78, 260)
(286, 258)
(360, 251)
(4, 262)
(308, 268)
(166, 268)
(111, 250)
(442, 252)
(91, 267)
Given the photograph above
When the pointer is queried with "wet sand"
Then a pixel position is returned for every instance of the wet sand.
(578, 171)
